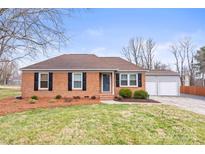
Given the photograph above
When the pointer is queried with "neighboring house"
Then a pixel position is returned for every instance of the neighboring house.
(81, 75)
(163, 83)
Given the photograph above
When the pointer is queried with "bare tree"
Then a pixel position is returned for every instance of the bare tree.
(148, 53)
(28, 32)
(183, 52)
(160, 66)
(7, 70)
(140, 52)
(127, 53)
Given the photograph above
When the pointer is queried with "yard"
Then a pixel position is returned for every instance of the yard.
(103, 124)
(8, 92)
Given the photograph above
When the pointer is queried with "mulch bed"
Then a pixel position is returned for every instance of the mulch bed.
(137, 100)
(11, 105)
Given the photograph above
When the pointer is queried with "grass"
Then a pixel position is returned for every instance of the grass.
(104, 124)
(9, 92)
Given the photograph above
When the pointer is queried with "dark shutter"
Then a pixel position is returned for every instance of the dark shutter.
(139, 80)
(50, 88)
(36, 81)
(84, 81)
(117, 80)
(69, 81)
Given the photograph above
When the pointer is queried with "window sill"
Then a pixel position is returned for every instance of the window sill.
(43, 89)
(129, 86)
(77, 89)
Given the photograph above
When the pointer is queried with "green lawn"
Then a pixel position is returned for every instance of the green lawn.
(104, 124)
(8, 92)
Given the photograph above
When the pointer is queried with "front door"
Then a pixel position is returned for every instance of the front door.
(106, 82)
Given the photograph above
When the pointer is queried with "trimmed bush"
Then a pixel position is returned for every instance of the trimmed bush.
(141, 94)
(58, 97)
(76, 97)
(34, 97)
(125, 93)
(32, 101)
(93, 97)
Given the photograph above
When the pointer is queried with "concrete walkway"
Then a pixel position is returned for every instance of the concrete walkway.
(187, 102)
(130, 103)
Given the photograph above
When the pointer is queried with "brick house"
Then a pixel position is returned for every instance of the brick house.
(81, 75)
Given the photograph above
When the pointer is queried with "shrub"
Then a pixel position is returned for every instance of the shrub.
(86, 97)
(125, 93)
(19, 97)
(51, 101)
(76, 97)
(34, 97)
(141, 94)
(32, 101)
(58, 97)
(93, 97)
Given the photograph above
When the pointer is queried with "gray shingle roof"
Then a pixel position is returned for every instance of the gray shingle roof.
(83, 62)
(161, 73)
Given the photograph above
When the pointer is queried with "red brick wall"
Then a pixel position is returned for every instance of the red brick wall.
(60, 85)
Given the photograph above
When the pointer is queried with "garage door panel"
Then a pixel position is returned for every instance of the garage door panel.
(151, 88)
(168, 88)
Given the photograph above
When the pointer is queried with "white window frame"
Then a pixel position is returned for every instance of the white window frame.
(39, 80)
(128, 80)
(81, 80)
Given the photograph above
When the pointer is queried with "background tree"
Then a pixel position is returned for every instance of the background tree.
(200, 63)
(183, 51)
(140, 52)
(160, 66)
(7, 70)
(28, 32)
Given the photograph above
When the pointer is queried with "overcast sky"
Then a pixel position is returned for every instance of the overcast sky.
(105, 31)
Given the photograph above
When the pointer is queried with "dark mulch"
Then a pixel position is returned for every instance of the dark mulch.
(136, 100)
(10, 105)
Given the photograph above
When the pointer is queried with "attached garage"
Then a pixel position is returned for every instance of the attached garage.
(162, 83)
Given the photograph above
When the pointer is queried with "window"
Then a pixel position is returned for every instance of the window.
(133, 80)
(128, 80)
(43, 78)
(77, 80)
(124, 79)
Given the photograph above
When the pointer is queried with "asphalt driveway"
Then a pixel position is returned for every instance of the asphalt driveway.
(187, 102)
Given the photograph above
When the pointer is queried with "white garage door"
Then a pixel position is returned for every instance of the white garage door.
(168, 88)
(151, 88)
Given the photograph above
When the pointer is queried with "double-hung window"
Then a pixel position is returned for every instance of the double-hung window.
(43, 81)
(128, 80)
(77, 80)
(133, 79)
(124, 79)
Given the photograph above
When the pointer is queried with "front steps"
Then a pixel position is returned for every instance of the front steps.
(106, 97)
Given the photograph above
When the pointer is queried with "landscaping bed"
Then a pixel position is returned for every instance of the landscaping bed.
(10, 105)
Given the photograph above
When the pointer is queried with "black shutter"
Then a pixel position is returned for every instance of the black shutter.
(117, 80)
(50, 86)
(84, 81)
(69, 81)
(36, 81)
(139, 80)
